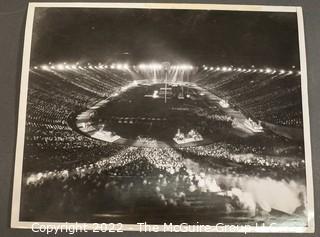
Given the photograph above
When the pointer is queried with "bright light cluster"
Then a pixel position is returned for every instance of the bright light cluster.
(158, 66)
(151, 66)
(119, 66)
(182, 67)
(65, 66)
(247, 70)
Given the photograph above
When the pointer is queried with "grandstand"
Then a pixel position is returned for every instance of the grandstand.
(71, 106)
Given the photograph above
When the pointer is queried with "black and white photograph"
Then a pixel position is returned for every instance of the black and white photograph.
(172, 115)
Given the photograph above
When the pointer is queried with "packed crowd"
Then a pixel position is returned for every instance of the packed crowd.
(137, 177)
(274, 98)
(130, 161)
(214, 114)
(143, 161)
(54, 98)
(88, 174)
(251, 156)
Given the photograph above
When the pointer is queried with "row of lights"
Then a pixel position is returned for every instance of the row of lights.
(152, 66)
(65, 66)
(119, 66)
(158, 66)
(261, 70)
(182, 67)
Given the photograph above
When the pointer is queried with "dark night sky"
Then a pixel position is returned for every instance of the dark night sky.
(136, 35)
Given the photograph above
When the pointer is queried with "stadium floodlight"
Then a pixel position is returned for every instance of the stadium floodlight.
(60, 67)
(45, 67)
(268, 70)
(205, 68)
(125, 66)
(112, 66)
(52, 67)
(35, 67)
(299, 72)
(142, 66)
(90, 67)
(211, 68)
(229, 69)
(224, 69)
(152, 66)
(261, 70)
(290, 72)
(74, 67)
(186, 67)
(218, 69)
(282, 71)
(67, 67)
(100, 66)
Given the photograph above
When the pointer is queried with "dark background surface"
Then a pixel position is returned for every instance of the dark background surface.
(238, 38)
(12, 22)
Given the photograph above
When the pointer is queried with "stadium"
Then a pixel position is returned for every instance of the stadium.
(163, 141)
